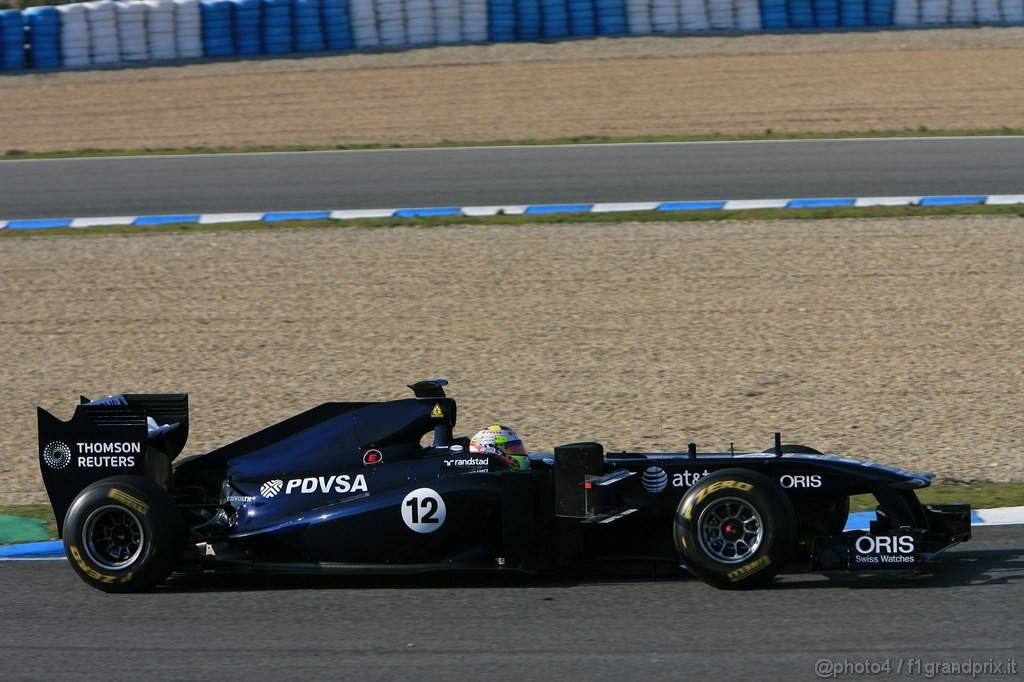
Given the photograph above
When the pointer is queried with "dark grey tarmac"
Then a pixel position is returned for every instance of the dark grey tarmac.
(509, 175)
(455, 628)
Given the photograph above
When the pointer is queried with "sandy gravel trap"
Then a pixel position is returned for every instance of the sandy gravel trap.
(856, 80)
(895, 340)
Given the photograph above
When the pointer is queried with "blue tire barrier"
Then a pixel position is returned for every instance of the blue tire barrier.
(501, 20)
(528, 24)
(252, 27)
(853, 13)
(611, 17)
(309, 26)
(555, 18)
(12, 40)
(218, 36)
(774, 14)
(247, 20)
(337, 25)
(581, 18)
(43, 37)
(801, 14)
(826, 13)
(880, 12)
(278, 26)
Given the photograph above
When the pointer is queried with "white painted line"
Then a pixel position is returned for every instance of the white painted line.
(214, 218)
(364, 213)
(494, 210)
(739, 205)
(1003, 516)
(109, 220)
(886, 201)
(1000, 199)
(633, 206)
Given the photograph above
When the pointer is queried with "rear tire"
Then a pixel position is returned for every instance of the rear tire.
(123, 534)
(735, 529)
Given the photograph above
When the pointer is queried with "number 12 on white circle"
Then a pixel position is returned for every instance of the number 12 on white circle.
(423, 510)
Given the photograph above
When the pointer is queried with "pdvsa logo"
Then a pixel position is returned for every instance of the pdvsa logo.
(654, 479)
(57, 455)
(341, 483)
(271, 488)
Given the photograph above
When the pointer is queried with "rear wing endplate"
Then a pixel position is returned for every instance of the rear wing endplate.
(135, 434)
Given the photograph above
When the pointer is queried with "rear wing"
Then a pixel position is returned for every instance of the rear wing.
(136, 434)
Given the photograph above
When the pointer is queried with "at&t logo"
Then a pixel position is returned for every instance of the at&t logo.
(654, 479)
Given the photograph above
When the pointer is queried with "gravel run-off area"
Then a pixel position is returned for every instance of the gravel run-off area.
(952, 79)
(892, 340)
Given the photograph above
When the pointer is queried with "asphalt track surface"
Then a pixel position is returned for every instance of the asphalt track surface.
(470, 628)
(508, 176)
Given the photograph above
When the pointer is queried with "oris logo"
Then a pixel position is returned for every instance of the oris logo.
(885, 544)
(800, 481)
(57, 455)
(271, 488)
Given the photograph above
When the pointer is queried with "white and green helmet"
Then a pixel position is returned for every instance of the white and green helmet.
(501, 442)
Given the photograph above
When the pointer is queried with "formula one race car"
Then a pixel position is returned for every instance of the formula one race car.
(350, 488)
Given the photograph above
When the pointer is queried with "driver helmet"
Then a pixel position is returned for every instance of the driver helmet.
(501, 442)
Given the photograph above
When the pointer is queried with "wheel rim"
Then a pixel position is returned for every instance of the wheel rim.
(730, 530)
(113, 537)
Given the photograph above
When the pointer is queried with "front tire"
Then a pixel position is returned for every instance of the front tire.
(123, 534)
(735, 529)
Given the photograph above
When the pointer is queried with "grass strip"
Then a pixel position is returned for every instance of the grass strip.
(32, 511)
(873, 212)
(978, 495)
(768, 134)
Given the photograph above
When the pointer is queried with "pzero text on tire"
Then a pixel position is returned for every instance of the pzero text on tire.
(123, 534)
(735, 529)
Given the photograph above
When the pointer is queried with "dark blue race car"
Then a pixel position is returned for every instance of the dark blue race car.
(386, 487)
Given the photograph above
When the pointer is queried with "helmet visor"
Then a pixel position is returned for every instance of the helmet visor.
(514, 447)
